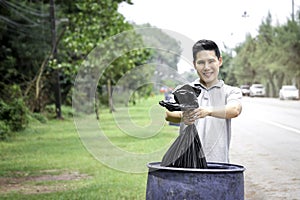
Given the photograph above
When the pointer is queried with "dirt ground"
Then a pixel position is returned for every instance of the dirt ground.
(48, 181)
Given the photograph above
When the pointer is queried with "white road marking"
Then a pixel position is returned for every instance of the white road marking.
(281, 125)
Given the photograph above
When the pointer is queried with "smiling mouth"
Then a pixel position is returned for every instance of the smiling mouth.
(207, 74)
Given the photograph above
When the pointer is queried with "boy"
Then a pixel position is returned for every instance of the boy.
(218, 103)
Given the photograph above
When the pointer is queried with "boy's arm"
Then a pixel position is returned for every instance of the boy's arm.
(174, 116)
(228, 111)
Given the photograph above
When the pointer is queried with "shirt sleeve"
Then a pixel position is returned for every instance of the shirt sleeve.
(234, 94)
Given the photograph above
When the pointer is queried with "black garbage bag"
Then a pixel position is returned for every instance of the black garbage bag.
(185, 99)
(186, 151)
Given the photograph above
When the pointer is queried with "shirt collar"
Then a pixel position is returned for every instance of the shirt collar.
(197, 83)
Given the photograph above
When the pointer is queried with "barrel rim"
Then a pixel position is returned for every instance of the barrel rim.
(213, 167)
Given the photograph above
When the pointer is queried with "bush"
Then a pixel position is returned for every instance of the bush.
(66, 111)
(40, 117)
(13, 113)
(4, 131)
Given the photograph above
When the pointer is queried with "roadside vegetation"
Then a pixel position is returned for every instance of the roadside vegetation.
(49, 161)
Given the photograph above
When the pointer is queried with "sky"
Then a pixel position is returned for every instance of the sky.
(218, 20)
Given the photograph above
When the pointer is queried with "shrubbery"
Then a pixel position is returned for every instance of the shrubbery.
(13, 113)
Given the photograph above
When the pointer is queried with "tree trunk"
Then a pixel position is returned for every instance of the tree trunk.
(279, 82)
(57, 92)
(273, 87)
(110, 100)
(97, 104)
(298, 84)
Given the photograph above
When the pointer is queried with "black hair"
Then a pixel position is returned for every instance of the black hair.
(205, 45)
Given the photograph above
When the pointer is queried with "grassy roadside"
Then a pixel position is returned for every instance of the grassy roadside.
(49, 161)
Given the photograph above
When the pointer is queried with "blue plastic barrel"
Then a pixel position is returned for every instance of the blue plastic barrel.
(220, 181)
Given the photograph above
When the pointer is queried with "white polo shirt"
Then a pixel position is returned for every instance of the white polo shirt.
(215, 133)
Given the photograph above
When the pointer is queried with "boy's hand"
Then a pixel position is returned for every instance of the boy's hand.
(190, 116)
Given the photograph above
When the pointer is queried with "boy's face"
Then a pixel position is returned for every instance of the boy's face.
(207, 65)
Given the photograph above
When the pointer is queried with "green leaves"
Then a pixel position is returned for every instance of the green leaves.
(271, 57)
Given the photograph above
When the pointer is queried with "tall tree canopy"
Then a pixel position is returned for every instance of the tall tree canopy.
(271, 57)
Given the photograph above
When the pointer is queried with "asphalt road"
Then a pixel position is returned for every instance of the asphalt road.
(266, 141)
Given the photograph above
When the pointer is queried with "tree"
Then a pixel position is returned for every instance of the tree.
(270, 57)
(31, 64)
(244, 70)
(288, 43)
(24, 34)
(266, 55)
(227, 69)
(57, 92)
(171, 49)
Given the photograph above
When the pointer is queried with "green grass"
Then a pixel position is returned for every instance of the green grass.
(55, 148)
